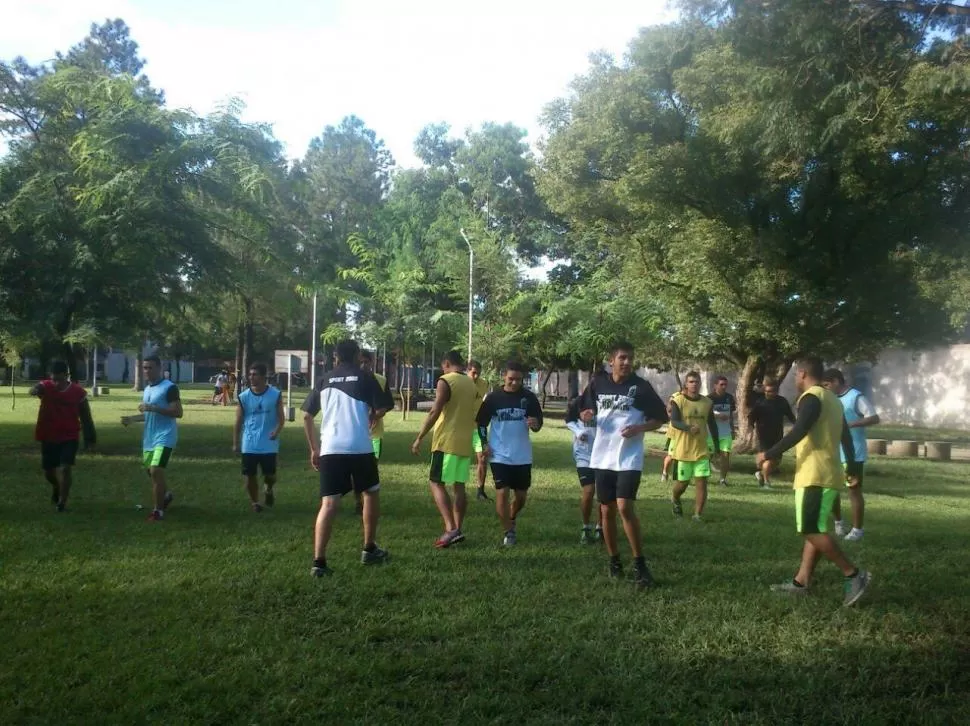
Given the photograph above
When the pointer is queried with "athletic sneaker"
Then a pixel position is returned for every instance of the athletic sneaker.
(840, 529)
(459, 537)
(760, 478)
(723, 482)
(854, 535)
(855, 587)
(641, 576)
(790, 588)
(446, 539)
(509, 538)
(155, 516)
(257, 507)
(598, 535)
(677, 509)
(616, 571)
(321, 571)
(169, 496)
(482, 496)
(60, 507)
(664, 477)
(269, 496)
(377, 557)
(586, 537)
(697, 519)
(765, 484)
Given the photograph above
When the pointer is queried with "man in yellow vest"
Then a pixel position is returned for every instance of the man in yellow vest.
(819, 430)
(692, 416)
(453, 417)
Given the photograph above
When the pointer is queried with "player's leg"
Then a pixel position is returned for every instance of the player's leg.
(521, 481)
(725, 459)
(858, 510)
(685, 471)
(587, 490)
(628, 484)
(67, 478)
(366, 478)
(250, 471)
(481, 466)
(336, 479)
(502, 506)
(50, 462)
(441, 499)
(268, 464)
(668, 460)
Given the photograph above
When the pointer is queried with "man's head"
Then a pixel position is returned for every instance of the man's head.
(152, 366)
(808, 372)
(692, 384)
(514, 375)
(453, 362)
(720, 385)
(474, 369)
(770, 388)
(621, 359)
(59, 373)
(833, 380)
(347, 352)
(367, 361)
(257, 375)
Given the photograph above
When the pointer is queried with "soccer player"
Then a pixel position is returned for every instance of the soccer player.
(859, 413)
(64, 412)
(482, 388)
(768, 416)
(583, 436)
(160, 409)
(669, 460)
(692, 416)
(452, 415)
(377, 427)
(512, 413)
(350, 400)
(819, 431)
(220, 393)
(725, 407)
(624, 407)
(259, 421)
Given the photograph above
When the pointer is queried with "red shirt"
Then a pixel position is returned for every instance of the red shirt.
(59, 418)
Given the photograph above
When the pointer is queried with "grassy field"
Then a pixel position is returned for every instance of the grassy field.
(211, 617)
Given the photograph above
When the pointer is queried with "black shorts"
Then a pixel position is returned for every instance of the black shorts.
(613, 485)
(342, 473)
(512, 476)
(766, 442)
(55, 454)
(587, 476)
(266, 462)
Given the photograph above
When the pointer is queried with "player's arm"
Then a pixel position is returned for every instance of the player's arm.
(172, 410)
(87, 423)
(280, 418)
(534, 413)
(237, 426)
(848, 450)
(587, 402)
(126, 420)
(655, 412)
(788, 412)
(442, 394)
(677, 418)
(36, 390)
(809, 410)
(310, 408)
(712, 428)
(867, 412)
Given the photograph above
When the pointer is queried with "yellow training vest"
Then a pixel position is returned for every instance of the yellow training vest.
(453, 429)
(817, 460)
(378, 431)
(688, 446)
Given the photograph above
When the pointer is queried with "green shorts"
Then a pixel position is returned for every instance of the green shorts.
(724, 444)
(687, 470)
(377, 444)
(449, 468)
(157, 457)
(476, 442)
(813, 505)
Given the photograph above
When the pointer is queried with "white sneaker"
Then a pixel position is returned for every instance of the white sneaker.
(663, 477)
(761, 480)
(854, 535)
(839, 529)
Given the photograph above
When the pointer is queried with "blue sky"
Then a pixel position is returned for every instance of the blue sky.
(398, 64)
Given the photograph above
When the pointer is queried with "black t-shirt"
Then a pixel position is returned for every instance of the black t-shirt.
(768, 416)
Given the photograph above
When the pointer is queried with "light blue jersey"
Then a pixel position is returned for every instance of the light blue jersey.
(160, 430)
(856, 408)
(260, 419)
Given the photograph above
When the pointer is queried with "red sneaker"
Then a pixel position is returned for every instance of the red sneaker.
(155, 516)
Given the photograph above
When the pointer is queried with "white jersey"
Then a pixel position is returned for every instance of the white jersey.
(584, 434)
(506, 414)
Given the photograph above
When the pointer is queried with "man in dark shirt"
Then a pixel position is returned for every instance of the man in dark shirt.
(768, 416)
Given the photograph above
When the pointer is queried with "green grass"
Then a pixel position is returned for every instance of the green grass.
(211, 617)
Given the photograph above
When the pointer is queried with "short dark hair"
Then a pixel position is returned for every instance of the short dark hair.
(152, 359)
(367, 355)
(514, 365)
(474, 364)
(692, 374)
(259, 369)
(812, 365)
(347, 351)
(718, 379)
(769, 382)
(454, 357)
(59, 367)
(834, 375)
(619, 345)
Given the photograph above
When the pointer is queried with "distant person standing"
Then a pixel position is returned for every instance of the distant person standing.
(725, 408)
(259, 421)
(64, 412)
(219, 389)
(160, 408)
(768, 415)
(859, 413)
(584, 434)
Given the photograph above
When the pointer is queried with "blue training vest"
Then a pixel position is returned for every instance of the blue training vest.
(849, 400)
(159, 430)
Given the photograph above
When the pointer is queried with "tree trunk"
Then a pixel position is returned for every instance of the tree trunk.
(745, 441)
(542, 387)
(573, 383)
(178, 368)
(680, 383)
(247, 356)
(139, 381)
(240, 345)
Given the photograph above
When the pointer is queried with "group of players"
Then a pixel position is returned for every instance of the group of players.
(466, 421)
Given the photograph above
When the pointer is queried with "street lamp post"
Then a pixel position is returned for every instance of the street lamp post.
(471, 288)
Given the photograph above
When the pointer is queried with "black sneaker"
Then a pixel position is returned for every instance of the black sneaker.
(60, 507)
(169, 496)
(616, 571)
(321, 571)
(376, 557)
(642, 578)
(677, 509)
(482, 496)
(269, 497)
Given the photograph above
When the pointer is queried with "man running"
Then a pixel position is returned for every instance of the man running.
(859, 413)
(584, 434)
(64, 412)
(350, 400)
(692, 416)
(624, 407)
(725, 408)
(453, 416)
(512, 413)
(377, 427)
(482, 388)
(819, 431)
(160, 409)
(768, 416)
(259, 421)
